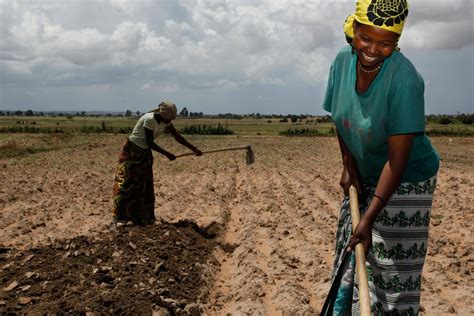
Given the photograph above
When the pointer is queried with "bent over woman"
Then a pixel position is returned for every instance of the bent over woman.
(376, 99)
(133, 195)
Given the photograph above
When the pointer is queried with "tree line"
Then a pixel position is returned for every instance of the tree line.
(442, 119)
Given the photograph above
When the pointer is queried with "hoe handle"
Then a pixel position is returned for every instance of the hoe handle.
(215, 151)
(364, 298)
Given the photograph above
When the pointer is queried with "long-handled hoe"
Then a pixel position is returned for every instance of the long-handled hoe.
(364, 299)
(249, 155)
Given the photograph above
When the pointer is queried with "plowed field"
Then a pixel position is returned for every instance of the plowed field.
(230, 239)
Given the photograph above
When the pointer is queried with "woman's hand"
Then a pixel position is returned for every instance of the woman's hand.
(197, 152)
(362, 234)
(170, 156)
(350, 176)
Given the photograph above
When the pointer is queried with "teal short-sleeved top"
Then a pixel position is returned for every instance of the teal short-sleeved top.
(393, 104)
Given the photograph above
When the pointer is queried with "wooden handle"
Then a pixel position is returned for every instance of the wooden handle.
(364, 298)
(215, 151)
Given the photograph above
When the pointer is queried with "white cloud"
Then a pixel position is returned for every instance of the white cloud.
(14, 67)
(438, 35)
(172, 46)
(129, 6)
(439, 25)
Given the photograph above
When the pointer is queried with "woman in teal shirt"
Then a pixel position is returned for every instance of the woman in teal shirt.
(375, 96)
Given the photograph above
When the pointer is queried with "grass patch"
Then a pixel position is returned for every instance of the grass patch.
(197, 126)
(82, 129)
(76, 124)
(206, 130)
(455, 131)
(30, 129)
(307, 132)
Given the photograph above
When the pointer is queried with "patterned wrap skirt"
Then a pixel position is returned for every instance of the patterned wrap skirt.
(394, 262)
(133, 194)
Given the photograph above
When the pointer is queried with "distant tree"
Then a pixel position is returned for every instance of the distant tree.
(196, 114)
(230, 116)
(467, 119)
(29, 113)
(128, 113)
(324, 119)
(18, 113)
(445, 120)
(294, 119)
(184, 112)
(137, 113)
(2, 113)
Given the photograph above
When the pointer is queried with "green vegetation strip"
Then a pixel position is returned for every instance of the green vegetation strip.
(206, 130)
(290, 125)
(308, 132)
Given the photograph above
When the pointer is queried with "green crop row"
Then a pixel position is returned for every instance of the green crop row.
(206, 130)
(307, 132)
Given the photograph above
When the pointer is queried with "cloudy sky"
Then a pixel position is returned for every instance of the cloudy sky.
(212, 56)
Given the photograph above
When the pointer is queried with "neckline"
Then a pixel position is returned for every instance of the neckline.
(376, 79)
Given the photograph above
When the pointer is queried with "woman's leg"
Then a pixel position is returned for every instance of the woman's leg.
(399, 243)
(131, 185)
(147, 213)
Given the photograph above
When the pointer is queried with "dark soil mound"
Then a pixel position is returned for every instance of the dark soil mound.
(135, 270)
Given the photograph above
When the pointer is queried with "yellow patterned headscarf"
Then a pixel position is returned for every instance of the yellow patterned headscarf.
(387, 14)
(167, 110)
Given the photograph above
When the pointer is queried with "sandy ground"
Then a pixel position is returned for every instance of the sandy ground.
(280, 214)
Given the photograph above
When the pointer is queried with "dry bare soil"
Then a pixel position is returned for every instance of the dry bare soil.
(230, 239)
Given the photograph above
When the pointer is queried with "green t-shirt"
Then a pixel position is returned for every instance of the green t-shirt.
(393, 104)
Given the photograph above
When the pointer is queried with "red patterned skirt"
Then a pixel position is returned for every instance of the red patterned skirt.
(133, 195)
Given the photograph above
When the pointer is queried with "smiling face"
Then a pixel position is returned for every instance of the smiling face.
(373, 44)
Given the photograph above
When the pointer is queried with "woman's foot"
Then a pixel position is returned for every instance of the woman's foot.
(113, 225)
